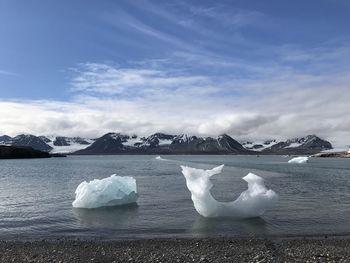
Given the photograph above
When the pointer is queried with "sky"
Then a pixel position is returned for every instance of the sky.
(252, 69)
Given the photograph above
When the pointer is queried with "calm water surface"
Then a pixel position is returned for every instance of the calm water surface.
(36, 197)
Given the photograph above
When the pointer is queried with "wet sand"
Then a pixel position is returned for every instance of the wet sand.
(178, 250)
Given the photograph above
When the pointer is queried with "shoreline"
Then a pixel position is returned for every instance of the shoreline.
(332, 155)
(178, 250)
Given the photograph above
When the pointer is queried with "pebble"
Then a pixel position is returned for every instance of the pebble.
(178, 250)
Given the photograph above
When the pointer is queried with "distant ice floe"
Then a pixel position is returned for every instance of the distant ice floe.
(251, 203)
(110, 191)
(160, 158)
(299, 160)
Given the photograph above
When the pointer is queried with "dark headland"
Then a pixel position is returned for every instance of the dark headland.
(178, 250)
(333, 155)
(16, 152)
(24, 152)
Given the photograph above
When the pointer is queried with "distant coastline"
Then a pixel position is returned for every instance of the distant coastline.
(24, 152)
(17, 152)
(332, 155)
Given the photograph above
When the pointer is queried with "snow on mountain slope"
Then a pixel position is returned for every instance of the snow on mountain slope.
(154, 140)
(259, 146)
(309, 142)
(29, 140)
(293, 144)
(5, 140)
(133, 141)
(159, 143)
(61, 144)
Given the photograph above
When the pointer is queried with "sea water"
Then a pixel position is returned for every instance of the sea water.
(36, 197)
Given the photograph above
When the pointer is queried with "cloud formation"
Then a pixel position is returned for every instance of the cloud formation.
(143, 99)
(106, 79)
(9, 73)
(195, 67)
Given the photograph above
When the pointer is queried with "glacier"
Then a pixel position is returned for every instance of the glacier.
(299, 160)
(111, 191)
(251, 203)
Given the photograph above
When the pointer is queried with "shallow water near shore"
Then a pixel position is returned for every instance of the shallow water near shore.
(36, 197)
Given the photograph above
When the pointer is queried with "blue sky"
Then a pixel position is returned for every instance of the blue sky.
(131, 55)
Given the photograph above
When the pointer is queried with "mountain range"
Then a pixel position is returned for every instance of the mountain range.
(305, 145)
(161, 143)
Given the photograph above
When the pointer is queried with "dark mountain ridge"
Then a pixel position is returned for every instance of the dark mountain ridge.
(31, 141)
(306, 145)
(161, 143)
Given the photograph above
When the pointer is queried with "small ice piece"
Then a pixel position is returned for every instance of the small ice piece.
(160, 158)
(110, 191)
(299, 160)
(251, 203)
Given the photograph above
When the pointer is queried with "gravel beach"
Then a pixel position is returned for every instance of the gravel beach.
(178, 250)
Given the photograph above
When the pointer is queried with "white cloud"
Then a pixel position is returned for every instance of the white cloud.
(170, 95)
(228, 17)
(106, 79)
(92, 117)
(9, 73)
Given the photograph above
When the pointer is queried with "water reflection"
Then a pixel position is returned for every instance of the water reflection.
(206, 227)
(110, 217)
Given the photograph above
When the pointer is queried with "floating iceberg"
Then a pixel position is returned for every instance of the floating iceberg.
(299, 160)
(159, 158)
(111, 191)
(251, 203)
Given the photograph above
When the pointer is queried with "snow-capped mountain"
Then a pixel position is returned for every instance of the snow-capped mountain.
(47, 143)
(259, 146)
(155, 140)
(30, 141)
(60, 144)
(5, 140)
(161, 143)
(308, 144)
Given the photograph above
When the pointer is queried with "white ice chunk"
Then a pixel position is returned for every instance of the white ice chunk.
(110, 191)
(251, 203)
(160, 158)
(299, 160)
